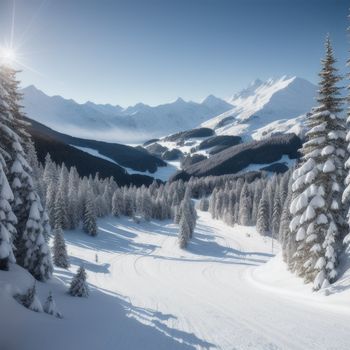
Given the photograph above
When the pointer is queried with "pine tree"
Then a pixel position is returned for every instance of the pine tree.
(89, 218)
(79, 286)
(346, 193)
(184, 232)
(7, 221)
(244, 206)
(50, 307)
(262, 222)
(72, 198)
(315, 207)
(31, 249)
(60, 256)
(30, 299)
(276, 216)
(204, 204)
(37, 257)
(46, 226)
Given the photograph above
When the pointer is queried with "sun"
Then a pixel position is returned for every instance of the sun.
(7, 55)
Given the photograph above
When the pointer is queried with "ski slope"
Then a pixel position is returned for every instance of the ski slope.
(146, 293)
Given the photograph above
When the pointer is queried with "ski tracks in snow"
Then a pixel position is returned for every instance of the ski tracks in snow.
(202, 296)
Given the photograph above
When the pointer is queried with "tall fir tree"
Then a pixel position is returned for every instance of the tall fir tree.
(262, 221)
(8, 220)
(89, 218)
(346, 193)
(317, 217)
(31, 248)
(60, 256)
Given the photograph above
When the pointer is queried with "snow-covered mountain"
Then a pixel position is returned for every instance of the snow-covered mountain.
(262, 109)
(114, 123)
(266, 108)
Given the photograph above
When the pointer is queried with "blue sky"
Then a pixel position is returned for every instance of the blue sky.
(124, 52)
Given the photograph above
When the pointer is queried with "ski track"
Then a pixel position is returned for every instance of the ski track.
(206, 297)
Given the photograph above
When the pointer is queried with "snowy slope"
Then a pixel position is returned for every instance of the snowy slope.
(148, 294)
(263, 106)
(113, 123)
(163, 173)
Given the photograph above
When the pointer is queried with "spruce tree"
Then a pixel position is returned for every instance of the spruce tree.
(317, 219)
(30, 299)
(346, 193)
(7, 220)
(244, 206)
(79, 286)
(89, 218)
(184, 232)
(262, 222)
(276, 216)
(37, 257)
(50, 307)
(60, 256)
(31, 249)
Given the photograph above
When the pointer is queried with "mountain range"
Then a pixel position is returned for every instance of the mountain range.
(264, 108)
(116, 124)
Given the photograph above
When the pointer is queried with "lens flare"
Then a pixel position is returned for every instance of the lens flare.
(7, 55)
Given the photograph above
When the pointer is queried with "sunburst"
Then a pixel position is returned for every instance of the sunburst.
(7, 55)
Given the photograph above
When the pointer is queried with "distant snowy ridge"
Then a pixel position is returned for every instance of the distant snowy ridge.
(252, 112)
(114, 123)
(265, 108)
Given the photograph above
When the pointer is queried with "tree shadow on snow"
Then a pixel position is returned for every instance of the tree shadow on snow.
(106, 320)
(343, 282)
(94, 267)
(110, 238)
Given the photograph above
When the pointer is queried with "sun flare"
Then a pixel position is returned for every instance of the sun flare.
(7, 55)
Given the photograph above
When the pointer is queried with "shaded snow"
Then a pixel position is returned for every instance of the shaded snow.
(163, 173)
(256, 167)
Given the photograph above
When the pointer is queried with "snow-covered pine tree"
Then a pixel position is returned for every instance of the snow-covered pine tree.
(262, 222)
(204, 204)
(286, 239)
(37, 257)
(73, 211)
(31, 249)
(317, 185)
(244, 206)
(30, 299)
(346, 193)
(117, 207)
(46, 226)
(8, 220)
(184, 232)
(60, 256)
(62, 198)
(276, 215)
(79, 286)
(37, 170)
(89, 218)
(50, 307)
(146, 208)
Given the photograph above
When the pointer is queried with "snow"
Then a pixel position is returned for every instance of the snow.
(113, 123)
(328, 166)
(163, 173)
(146, 293)
(265, 108)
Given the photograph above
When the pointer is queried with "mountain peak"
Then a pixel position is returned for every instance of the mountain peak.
(210, 98)
(212, 101)
(179, 100)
